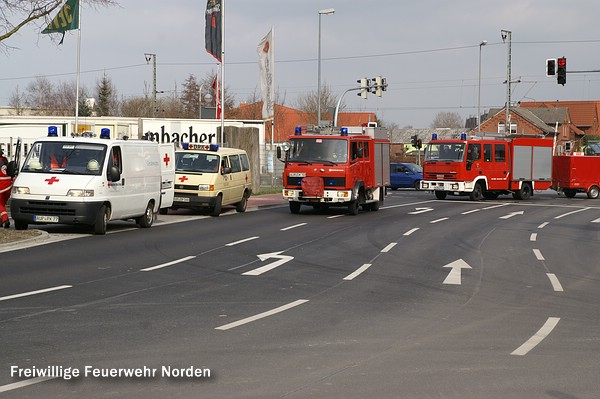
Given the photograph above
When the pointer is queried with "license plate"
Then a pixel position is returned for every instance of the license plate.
(45, 218)
(181, 199)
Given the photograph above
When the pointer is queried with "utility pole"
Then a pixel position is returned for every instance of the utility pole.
(153, 58)
(507, 35)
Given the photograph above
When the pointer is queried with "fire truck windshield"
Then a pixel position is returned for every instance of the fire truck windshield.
(318, 150)
(453, 152)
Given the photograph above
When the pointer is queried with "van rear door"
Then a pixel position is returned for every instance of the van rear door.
(167, 171)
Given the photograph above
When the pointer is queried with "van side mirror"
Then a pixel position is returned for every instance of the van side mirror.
(225, 170)
(11, 169)
(113, 174)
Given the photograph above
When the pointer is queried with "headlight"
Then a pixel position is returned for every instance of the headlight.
(20, 190)
(80, 193)
(206, 187)
(424, 185)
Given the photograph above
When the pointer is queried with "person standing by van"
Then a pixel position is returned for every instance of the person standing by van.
(5, 187)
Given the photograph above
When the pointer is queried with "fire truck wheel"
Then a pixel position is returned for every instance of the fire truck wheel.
(569, 193)
(353, 208)
(295, 207)
(374, 206)
(440, 195)
(477, 193)
(216, 210)
(525, 192)
(593, 192)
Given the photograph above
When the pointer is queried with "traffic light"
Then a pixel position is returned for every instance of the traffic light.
(378, 82)
(414, 140)
(561, 71)
(419, 144)
(364, 87)
(550, 67)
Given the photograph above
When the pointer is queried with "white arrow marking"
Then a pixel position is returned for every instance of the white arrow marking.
(282, 259)
(454, 277)
(511, 215)
(420, 210)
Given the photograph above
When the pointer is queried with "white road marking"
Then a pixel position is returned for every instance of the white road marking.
(511, 215)
(533, 237)
(541, 226)
(293, 227)
(420, 210)
(570, 213)
(471, 211)
(538, 254)
(357, 272)
(389, 247)
(596, 220)
(495, 206)
(263, 269)
(537, 337)
(409, 232)
(261, 315)
(438, 220)
(455, 275)
(42, 291)
(24, 383)
(231, 244)
(556, 286)
(149, 269)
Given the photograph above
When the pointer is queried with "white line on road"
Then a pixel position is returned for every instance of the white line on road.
(389, 247)
(537, 337)
(533, 237)
(409, 232)
(261, 315)
(555, 283)
(60, 287)
(293, 227)
(471, 211)
(570, 213)
(357, 272)
(541, 226)
(149, 269)
(438, 220)
(538, 254)
(336, 216)
(596, 220)
(24, 383)
(231, 244)
(495, 206)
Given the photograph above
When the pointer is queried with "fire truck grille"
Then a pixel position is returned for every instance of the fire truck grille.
(327, 181)
(439, 176)
(48, 208)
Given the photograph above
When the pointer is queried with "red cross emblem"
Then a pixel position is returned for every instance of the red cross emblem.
(183, 179)
(51, 180)
(166, 159)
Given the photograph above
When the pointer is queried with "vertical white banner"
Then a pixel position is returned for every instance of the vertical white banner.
(266, 66)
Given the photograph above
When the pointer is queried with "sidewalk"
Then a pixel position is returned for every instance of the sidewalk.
(266, 200)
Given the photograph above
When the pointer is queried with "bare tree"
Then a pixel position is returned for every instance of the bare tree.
(15, 14)
(136, 107)
(451, 120)
(308, 102)
(17, 101)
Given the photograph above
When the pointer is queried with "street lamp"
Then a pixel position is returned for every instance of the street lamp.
(483, 43)
(321, 12)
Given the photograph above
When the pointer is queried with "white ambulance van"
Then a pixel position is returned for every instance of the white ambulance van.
(90, 181)
(209, 177)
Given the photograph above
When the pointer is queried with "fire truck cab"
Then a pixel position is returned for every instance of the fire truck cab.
(486, 167)
(328, 167)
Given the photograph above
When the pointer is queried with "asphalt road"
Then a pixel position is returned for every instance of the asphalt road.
(422, 299)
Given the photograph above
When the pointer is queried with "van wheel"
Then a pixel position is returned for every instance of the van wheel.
(147, 218)
(216, 210)
(101, 221)
(19, 225)
(593, 192)
(242, 205)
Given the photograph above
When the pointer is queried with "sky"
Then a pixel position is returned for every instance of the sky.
(428, 51)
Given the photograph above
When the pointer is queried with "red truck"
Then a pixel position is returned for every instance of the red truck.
(346, 167)
(573, 174)
(487, 166)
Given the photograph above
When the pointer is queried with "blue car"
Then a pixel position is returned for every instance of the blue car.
(405, 175)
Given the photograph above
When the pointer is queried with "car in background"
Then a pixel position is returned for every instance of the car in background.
(405, 175)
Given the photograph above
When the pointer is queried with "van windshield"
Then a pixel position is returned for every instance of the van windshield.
(196, 162)
(65, 157)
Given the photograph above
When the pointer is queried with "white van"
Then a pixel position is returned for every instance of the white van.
(209, 177)
(90, 181)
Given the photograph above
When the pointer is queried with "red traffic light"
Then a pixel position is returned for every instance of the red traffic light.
(562, 62)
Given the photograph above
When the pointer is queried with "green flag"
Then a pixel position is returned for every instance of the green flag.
(66, 19)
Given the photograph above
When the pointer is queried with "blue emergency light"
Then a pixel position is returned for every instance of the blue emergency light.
(105, 133)
(298, 131)
(344, 131)
(433, 136)
(52, 131)
(185, 146)
(463, 136)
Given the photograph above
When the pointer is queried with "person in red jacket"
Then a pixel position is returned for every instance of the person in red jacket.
(5, 187)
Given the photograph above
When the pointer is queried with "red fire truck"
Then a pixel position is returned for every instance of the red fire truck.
(486, 166)
(329, 167)
(573, 174)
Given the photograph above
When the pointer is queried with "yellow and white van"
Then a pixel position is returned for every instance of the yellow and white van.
(209, 177)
